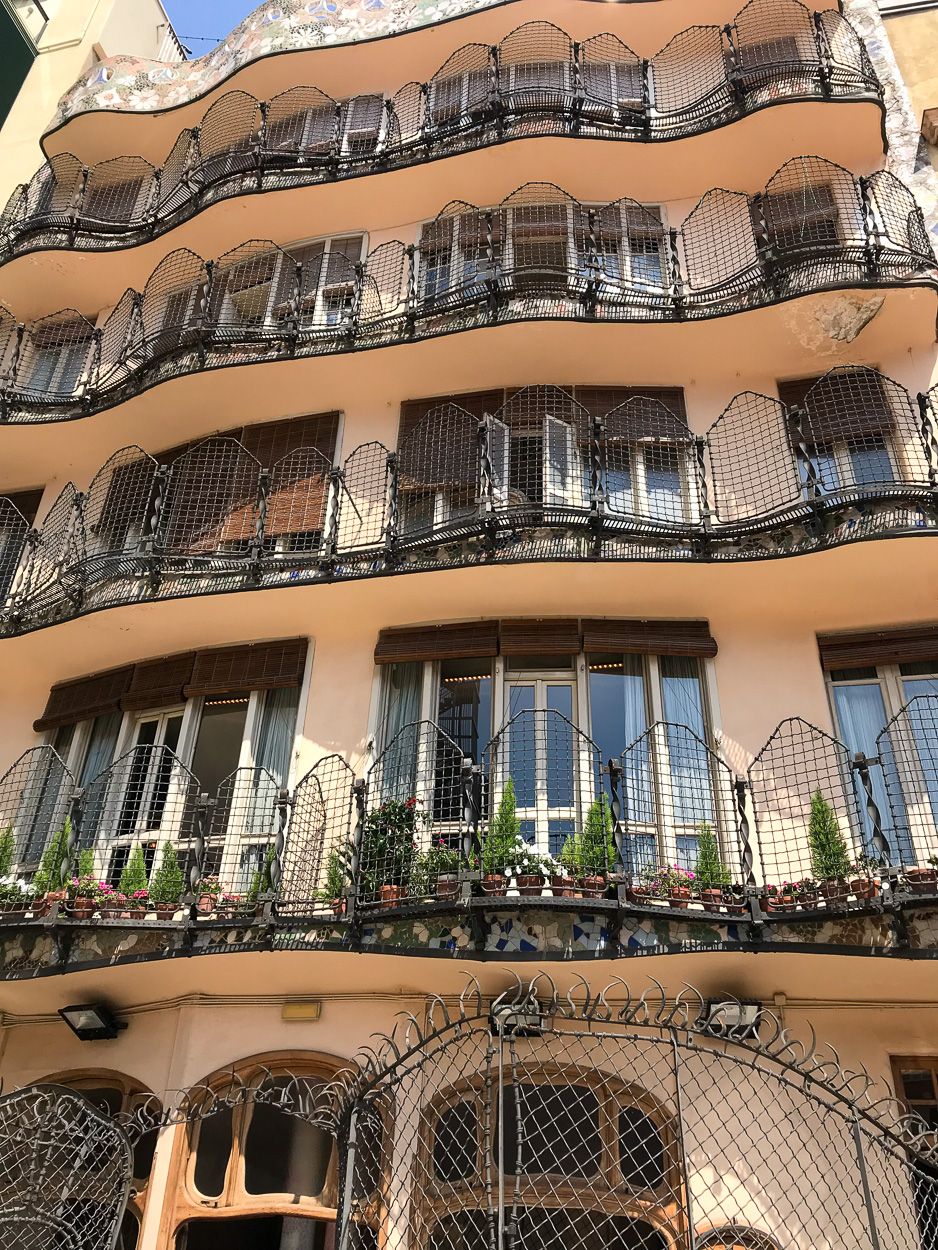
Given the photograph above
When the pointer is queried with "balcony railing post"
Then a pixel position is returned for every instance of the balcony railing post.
(872, 243)
(21, 587)
(359, 795)
(732, 62)
(284, 806)
(490, 264)
(929, 438)
(703, 490)
(330, 533)
(591, 291)
(487, 500)
(648, 98)
(93, 376)
(193, 159)
(496, 103)
(76, 208)
(151, 213)
(256, 554)
(579, 94)
(763, 240)
(410, 320)
(746, 862)
(203, 809)
(355, 309)
(426, 116)
(291, 323)
(678, 299)
(825, 61)
(623, 862)
(391, 518)
(10, 377)
(471, 849)
(74, 589)
(808, 470)
(861, 766)
(76, 811)
(153, 540)
(260, 146)
(204, 326)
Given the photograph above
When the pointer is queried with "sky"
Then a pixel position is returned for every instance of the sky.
(212, 18)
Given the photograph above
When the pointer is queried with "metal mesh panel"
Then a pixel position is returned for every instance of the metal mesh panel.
(438, 472)
(611, 78)
(116, 506)
(7, 343)
(556, 777)
(539, 450)
(777, 50)
(458, 94)
(690, 80)
(146, 798)
(752, 459)
(175, 187)
(59, 548)
(35, 792)
(806, 809)
(648, 463)
(814, 225)
(296, 506)
(407, 119)
(908, 754)
(242, 833)
(302, 125)
(65, 1172)
(897, 226)
(121, 340)
(226, 136)
(415, 803)
(54, 190)
(118, 192)
(171, 305)
(55, 355)
(384, 289)
(363, 507)
(211, 500)
(535, 67)
(721, 260)
(246, 289)
(676, 792)
(318, 853)
(13, 531)
(847, 55)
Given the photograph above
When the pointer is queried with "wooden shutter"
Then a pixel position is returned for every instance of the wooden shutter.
(256, 666)
(550, 636)
(867, 648)
(159, 683)
(73, 701)
(300, 481)
(472, 640)
(649, 637)
(476, 403)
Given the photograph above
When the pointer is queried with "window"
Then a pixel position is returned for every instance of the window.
(916, 1083)
(802, 221)
(118, 200)
(457, 100)
(307, 131)
(56, 359)
(279, 1170)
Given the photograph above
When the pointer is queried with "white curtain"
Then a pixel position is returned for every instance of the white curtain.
(400, 707)
(861, 715)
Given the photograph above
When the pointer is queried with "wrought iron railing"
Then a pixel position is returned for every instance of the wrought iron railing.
(540, 478)
(537, 81)
(539, 814)
(539, 255)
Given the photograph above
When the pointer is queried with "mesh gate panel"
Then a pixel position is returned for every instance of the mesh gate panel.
(34, 802)
(908, 752)
(317, 869)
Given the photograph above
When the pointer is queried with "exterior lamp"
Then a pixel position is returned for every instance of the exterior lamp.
(92, 1022)
(730, 1017)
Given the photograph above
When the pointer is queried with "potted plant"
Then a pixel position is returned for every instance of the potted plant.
(7, 851)
(595, 849)
(261, 884)
(499, 847)
(133, 882)
(569, 861)
(676, 884)
(711, 874)
(83, 894)
(389, 850)
(333, 891)
(47, 883)
(208, 894)
(734, 899)
(14, 900)
(529, 871)
(168, 884)
(830, 859)
(865, 883)
(438, 870)
(923, 880)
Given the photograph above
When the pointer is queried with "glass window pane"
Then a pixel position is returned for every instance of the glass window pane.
(681, 692)
(918, 1083)
(871, 463)
(276, 733)
(464, 710)
(521, 761)
(212, 1153)
(558, 1130)
(559, 747)
(617, 702)
(218, 745)
(861, 715)
(641, 1150)
(455, 1147)
(283, 1154)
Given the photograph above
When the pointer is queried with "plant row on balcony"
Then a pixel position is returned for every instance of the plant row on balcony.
(539, 255)
(539, 818)
(857, 457)
(535, 82)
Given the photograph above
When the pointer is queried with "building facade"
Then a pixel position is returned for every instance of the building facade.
(470, 475)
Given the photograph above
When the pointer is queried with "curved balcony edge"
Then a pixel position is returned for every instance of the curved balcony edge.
(304, 137)
(123, 84)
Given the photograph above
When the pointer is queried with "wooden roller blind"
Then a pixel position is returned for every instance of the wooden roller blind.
(476, 403)
(159, 683)
(867, 648)
(843, 406)
(550, 636)
(598, 400)
(472, 640)
(73, 701)
(257, 666)
(649, 637)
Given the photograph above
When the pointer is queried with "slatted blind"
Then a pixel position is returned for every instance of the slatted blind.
(84, 698)
(159, 683)
(845, 404)
(865, 648)
(437, 642)
(257, 666)
(548, 636)
(598, 400)
(476, 403)
(649, 637)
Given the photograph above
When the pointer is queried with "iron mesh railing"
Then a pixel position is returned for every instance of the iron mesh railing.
(539, 254)
(540, 815)
(539, 478)
(537, 81)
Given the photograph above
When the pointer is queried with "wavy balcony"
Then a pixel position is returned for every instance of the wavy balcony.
(662, 833)
(315, 33)
(541, 478)
(538, 256)
(537, 82)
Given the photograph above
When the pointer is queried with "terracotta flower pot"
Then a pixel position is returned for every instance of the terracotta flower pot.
(560, 887)
(338, 908)
(735, 906)
(780, 903)
(166, 911)
(494, 883)
(921, 880)
(40, 906)
(391, 895)
(206, 904)
(530, 884)
(593, 886)
(864, 888)
(447, 885)
(81, 908)
(833, 892)
(638, 894)
(712, 899)
(679, 896)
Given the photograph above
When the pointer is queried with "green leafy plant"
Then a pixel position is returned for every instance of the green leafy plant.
(133, 879)
(13, 895)
(389, 845)
(439, 860)
(500, 845)
(335, 883)
(262, 882)
(595, 848)
(569, 857)
(830, 858)
(168, 882)
(48, 878)
(710, 872)
(7, 850)
(86, 863)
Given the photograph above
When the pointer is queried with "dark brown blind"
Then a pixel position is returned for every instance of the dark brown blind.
(598, 400)
(476, 403)
(550, 636)
(26, 503)
(649, 637)
(159, 683)
(472, 640)
(272, 440)
(73, 701)
(851, 404)
(257, 666)
(878, 646)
